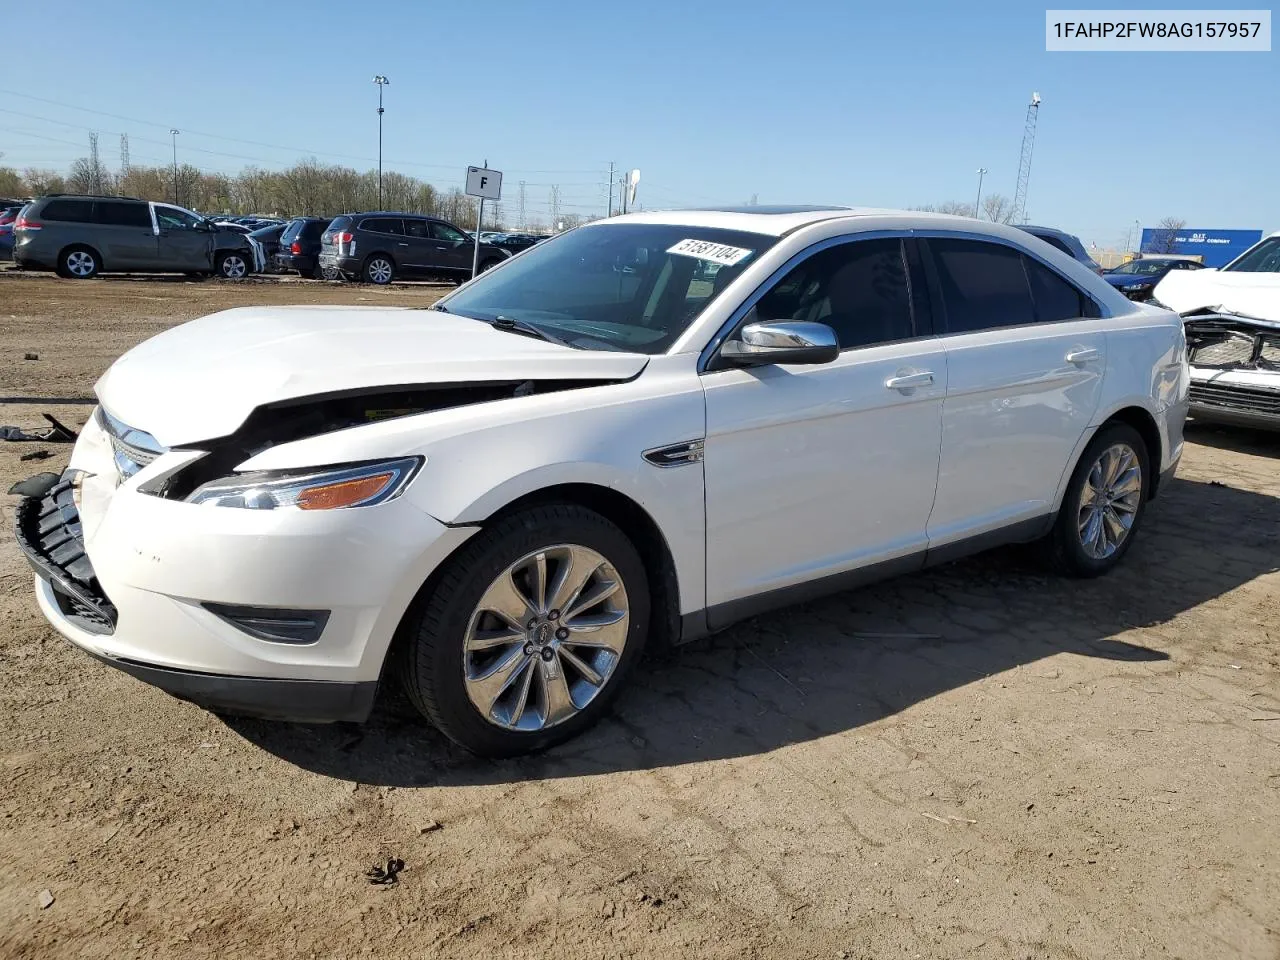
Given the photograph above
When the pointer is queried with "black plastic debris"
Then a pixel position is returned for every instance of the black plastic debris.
(36, 455)
(31, 356)
(388, 875)
(58, 432)
(36, 486)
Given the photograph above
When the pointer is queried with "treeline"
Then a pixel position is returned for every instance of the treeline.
(308, 187)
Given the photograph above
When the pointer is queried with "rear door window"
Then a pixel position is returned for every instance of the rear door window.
(384, 225)
(68, 210)
(983, 285)
(1055, 298)
(123, 213)
(416, 229)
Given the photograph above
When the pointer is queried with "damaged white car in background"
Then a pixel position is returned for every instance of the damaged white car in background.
(1232, 319)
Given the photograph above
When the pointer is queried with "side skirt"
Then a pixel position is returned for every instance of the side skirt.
(709, 620)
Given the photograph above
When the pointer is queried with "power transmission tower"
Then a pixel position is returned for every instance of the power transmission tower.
(555, 208)
(609, 212)
(524, 223)
(95, 163)
(124, 155)
(1024, 162)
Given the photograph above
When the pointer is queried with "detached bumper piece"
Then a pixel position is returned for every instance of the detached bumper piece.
(48, 532)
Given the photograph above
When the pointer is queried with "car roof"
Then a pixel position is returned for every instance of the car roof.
(780, 220)
(391, 213)
(1032, 228)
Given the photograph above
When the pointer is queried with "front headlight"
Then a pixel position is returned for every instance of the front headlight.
(362, 485)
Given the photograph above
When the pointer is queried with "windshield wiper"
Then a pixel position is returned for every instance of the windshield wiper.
(512, 325)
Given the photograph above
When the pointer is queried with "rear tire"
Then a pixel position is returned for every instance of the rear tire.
(79, 263)
(551, 660)
(489, 264)
(379, 269)
(1103, 505)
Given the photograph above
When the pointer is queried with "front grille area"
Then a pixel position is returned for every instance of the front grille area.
(48, 531)
(1237, 349)
(1235, 397)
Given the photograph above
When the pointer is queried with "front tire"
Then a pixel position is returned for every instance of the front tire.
(379, 269)
(529, 632)
(1103, 505)
(232, 265)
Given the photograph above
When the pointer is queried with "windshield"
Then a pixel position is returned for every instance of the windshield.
(1264, 258)
(632, 287)
(1144, 268)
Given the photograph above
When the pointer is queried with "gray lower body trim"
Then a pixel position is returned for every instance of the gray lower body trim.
(712, 619)
(300, 701)
(1259, 420)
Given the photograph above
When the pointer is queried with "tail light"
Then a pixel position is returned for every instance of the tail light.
(344, 237)
(295, 248)
(22, 223)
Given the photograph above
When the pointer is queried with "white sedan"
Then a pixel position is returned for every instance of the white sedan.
(639, 431)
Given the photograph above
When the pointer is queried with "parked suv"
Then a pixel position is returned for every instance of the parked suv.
(502, 498)
(80, 237)
(378, 247)
(299, 249)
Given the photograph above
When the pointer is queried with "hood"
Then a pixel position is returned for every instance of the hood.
(201, 380)
(1118, 280)
(1237, 291)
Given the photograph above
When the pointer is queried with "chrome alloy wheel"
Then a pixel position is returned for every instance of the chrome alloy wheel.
(234, 267)
(545, 638)
(1109, 501)
(80, 263)
(380, 271)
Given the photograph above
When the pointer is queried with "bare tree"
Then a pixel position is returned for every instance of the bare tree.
(1164, 239)
(11, 184)
(998, 208)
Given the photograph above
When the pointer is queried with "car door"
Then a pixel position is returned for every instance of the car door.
(386, 235)
(455, 249)
(421, 249)
(183, 242)
(1025, 359)
(819, 470)
(128, 238)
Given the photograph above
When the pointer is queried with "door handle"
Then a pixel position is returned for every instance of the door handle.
(1083, 356)
(910, 380)
(403, 244)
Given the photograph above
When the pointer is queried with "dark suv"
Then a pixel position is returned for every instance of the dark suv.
(80, 237)
(378, 247)
(299, 248)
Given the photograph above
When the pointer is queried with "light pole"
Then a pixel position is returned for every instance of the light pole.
(977, 204)
(381, 81)
(173, 135)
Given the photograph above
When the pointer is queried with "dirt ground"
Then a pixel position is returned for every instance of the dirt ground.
(980, 761)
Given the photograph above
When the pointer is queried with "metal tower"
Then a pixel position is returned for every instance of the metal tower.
(95, 164)
(124, 155)
(1024, 162)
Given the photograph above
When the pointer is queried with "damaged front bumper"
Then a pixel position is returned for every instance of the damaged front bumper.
(271, 613)
(1235, 368)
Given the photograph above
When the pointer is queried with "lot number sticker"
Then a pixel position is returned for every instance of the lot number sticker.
(715, 252)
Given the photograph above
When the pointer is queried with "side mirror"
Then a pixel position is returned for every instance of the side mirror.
(782, 341)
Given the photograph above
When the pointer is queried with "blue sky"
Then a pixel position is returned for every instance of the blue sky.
(803, 101)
